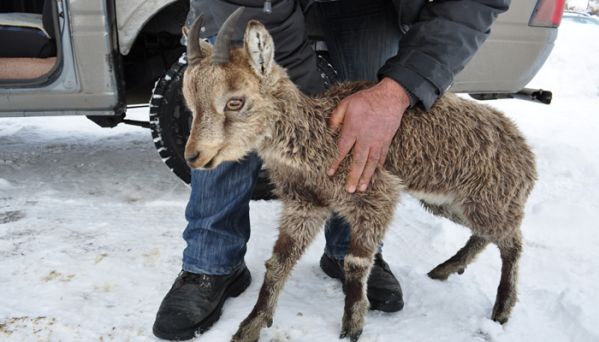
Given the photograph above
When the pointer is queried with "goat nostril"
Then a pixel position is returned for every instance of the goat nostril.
(192, 157)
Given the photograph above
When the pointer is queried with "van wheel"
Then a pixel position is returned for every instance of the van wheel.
(170, 123)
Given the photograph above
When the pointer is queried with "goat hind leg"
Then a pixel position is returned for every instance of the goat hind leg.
(298, 229)
(506, 292)
(458, 262)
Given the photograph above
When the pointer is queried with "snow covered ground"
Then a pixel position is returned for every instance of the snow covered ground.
(90, 225)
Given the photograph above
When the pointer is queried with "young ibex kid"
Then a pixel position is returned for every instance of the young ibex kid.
(464, 161)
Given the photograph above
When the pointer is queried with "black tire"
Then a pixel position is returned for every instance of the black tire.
(170, 120)
(170, 123)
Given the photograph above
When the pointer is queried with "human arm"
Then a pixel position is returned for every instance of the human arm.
(369, 120)
(436, 47)
(285, 24)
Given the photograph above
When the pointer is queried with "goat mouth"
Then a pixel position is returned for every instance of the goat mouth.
(198, 163)
(210, 164)
(205, 160)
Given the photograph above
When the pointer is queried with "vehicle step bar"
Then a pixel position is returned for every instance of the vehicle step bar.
(528, 94)
(113, 121)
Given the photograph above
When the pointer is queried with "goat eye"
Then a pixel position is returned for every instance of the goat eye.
(234, 104)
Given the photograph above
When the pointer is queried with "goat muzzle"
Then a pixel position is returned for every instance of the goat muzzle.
(201, 160)
(191, 158)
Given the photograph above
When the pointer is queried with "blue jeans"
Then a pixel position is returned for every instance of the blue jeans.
(360, 37)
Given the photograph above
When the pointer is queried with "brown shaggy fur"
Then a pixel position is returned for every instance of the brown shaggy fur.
(463, 160)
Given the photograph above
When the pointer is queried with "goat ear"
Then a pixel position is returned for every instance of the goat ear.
(259, 47)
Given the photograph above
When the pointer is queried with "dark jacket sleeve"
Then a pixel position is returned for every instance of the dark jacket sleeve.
(445, 36)
(285, 24)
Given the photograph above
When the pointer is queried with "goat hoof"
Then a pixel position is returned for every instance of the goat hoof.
(235, 339)
(242, 339)
(269, 323)
(500, 317)
(500, 320)
(501, 313)
(353, 336)
(246, 334)
(438, 275)
(461, 271)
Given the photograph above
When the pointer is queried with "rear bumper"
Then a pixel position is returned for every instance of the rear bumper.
(511, 56)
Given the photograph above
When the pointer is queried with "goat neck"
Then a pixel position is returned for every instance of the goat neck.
(299, 135)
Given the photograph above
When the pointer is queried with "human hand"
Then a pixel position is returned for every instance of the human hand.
(369, 118)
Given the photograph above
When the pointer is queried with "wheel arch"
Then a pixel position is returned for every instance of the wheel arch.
(132, 16)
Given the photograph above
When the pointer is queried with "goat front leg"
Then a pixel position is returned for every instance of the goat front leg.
(357, 269)
(369, 221)
(299, 225)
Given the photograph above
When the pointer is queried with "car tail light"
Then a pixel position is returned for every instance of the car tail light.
(547, 13)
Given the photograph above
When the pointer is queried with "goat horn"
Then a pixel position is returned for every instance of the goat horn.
(194, 51)
(224, 37)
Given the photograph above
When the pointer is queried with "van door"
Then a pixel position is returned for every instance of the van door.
(62, 58)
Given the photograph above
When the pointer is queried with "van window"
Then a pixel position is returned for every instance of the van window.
(29, 49)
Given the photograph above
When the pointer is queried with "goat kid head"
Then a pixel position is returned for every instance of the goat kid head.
(228, 89)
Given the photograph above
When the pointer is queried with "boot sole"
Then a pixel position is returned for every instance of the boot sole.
(237, 287)
(334, 272)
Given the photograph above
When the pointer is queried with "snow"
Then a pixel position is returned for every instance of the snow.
(577, 4)
(91, 223)
(583, 5)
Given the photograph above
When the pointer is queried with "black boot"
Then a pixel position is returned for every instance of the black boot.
(195, 302)
(384, 291)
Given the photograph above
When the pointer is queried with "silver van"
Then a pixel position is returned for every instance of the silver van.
(99, 58)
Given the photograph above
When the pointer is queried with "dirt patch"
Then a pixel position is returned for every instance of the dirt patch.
(11, 216)
(55, 275)
(12, 324)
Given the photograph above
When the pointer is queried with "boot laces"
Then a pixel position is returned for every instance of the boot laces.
(202, 280)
